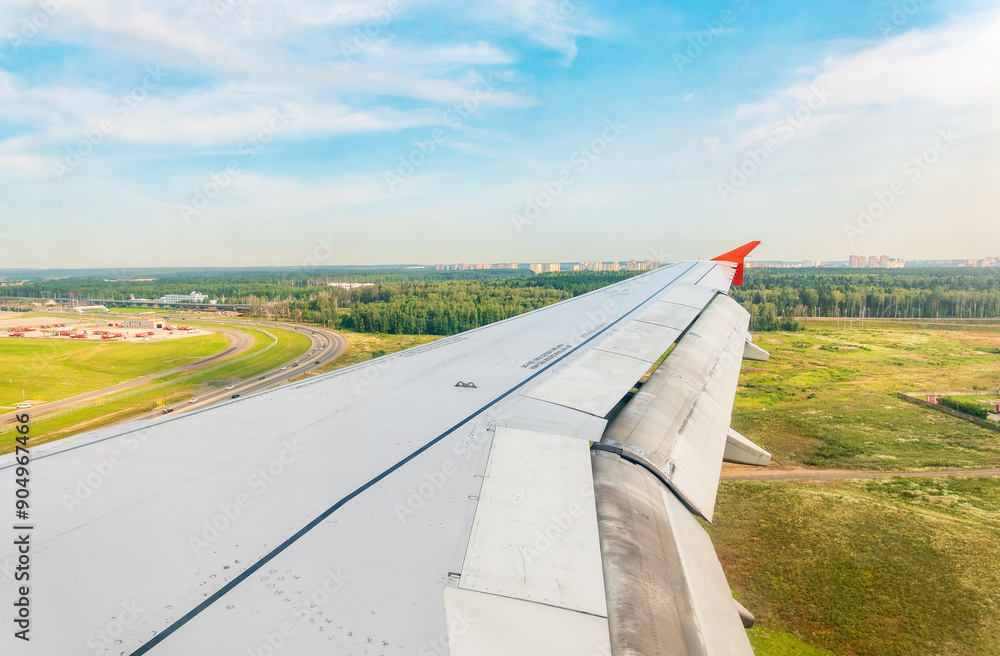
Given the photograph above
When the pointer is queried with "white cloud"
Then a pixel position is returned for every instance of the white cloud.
(249, 61)
(951, 67)
(556, 24)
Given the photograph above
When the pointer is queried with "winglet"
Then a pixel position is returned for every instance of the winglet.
(736, 256)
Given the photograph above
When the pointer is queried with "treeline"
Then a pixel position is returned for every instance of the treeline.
(447, 302)
(444, 307)
(240, 285)
(777, 297)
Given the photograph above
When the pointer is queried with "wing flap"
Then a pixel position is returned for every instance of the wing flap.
(678, 422)
(594, 384)
(641, 340)
(534, 536)
(671, 315)
(689, 294)
(667, 593)
(489, 625)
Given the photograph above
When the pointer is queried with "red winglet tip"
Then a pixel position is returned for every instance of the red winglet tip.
(736, 256)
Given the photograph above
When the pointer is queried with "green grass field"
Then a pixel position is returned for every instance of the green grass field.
(866, 568)
(827, 397)
(287, 345)
(365, 346)
(56, 369)
(291, 345)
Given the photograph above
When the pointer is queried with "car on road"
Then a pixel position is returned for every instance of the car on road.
(192, 400)
(168, 410)
(262, 378)
(283, 368)
(235, 396)
(231, 387)
(317, 361)
(24, 404)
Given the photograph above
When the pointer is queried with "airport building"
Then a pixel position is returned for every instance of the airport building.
(193, 297)
(141, 323)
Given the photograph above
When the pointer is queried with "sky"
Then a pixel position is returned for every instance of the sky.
(306, 132)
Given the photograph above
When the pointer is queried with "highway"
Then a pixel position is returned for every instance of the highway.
(326, 345)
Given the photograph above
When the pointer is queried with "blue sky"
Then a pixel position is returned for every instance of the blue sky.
(244, 132)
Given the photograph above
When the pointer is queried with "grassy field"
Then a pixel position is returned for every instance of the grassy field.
(867, 567)
(875, 567)
(827, 398)
(290, 345)
(365, 346)
(287, 345)
(54, 369)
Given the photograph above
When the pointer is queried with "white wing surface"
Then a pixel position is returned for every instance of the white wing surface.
(441, 500)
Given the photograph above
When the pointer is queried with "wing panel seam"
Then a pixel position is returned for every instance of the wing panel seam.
(187, 617)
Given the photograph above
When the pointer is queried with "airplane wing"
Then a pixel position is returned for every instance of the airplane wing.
(501, 491)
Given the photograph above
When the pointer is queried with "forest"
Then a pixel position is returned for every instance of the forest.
(777, 297)
(404, 301)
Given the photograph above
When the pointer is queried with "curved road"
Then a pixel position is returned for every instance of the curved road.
(326, 345)
(239, 342)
